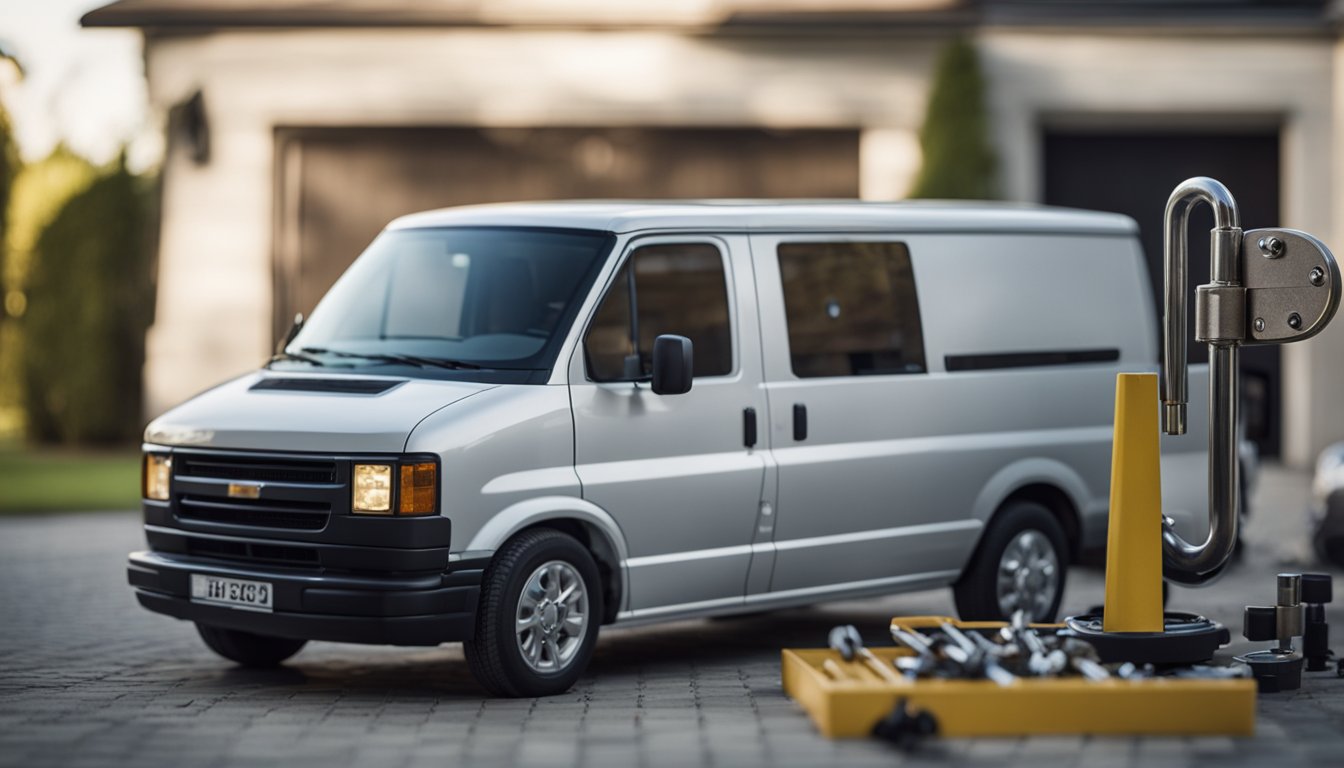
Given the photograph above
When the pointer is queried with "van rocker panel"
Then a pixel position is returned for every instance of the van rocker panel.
(404, 610)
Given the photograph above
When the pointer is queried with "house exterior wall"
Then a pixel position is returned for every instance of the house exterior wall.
(1205, 83)
(216, 271)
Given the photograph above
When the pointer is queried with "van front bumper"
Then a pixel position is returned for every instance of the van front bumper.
(394, 609)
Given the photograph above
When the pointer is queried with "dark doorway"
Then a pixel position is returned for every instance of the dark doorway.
(1134, 172)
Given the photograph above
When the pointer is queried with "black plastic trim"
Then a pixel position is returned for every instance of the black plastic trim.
(799, 421)
(427, 532)
(418, 610)
(332, 386)
(994, 361)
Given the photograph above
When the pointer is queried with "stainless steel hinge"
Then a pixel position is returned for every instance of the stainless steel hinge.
(1288, 292)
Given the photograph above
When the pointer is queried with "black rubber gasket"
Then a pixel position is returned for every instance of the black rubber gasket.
(1187, 638)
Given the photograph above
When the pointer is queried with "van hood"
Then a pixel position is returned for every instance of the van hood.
(269, 411)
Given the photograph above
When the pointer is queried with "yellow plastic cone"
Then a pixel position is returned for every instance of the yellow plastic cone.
(1134, 537)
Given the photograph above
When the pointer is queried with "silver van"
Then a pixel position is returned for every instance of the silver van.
(509, 425)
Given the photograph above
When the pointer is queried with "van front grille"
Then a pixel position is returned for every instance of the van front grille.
(252, 552)
(275, 470)
(288, 514)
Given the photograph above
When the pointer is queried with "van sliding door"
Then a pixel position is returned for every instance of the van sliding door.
(846, 369)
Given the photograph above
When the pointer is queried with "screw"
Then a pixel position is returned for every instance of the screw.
(1260, 324)
(1295, 321)
(1271, 247)
(1317, 276)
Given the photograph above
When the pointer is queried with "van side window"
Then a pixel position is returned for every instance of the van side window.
(678, 288)
(851, 309)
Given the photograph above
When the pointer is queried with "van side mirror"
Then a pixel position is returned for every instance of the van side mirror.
(673, 365)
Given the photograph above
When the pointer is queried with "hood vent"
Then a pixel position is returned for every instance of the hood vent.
(334, 386)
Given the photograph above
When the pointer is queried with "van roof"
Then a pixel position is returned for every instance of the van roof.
(623, 216)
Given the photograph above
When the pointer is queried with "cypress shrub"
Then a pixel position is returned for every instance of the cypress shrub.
(90, 301)
(959, 163)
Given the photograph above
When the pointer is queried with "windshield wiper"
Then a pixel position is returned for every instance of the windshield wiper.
(282, 355)
(390, 357)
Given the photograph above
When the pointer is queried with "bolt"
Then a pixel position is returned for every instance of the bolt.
(1271, 247)
(1317, 276)
(1260, 324)
(1295, 321)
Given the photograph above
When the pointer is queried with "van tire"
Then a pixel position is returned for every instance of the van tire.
(494, 654)
(977, 591)
(247, 649)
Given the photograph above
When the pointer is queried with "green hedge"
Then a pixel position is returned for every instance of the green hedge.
(90, 300)
(958, 161)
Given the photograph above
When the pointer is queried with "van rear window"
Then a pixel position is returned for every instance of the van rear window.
(851, 309)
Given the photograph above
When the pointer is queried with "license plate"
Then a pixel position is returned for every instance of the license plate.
(235, 593)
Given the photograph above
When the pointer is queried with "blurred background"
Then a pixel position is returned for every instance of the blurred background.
(178, 178)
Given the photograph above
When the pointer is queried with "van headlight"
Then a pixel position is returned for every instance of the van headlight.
(409, 487)
(158, 471)
(373, 489)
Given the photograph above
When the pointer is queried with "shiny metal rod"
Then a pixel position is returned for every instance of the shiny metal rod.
(1184, 562)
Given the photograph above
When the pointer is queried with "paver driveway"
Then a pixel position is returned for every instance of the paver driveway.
(87, 678)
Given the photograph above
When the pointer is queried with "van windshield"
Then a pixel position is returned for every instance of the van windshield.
(469, 300)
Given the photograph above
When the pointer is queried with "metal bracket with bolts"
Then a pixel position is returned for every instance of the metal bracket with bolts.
(1278, 668)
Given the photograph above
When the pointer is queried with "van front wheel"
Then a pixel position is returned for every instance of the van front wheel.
(1021, 564)
(536, 624)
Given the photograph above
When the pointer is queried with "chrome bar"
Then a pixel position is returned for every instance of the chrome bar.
(1184, 562)
(1192, 564)
(1176, 283)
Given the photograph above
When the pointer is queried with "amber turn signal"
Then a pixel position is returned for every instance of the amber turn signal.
(419, 483)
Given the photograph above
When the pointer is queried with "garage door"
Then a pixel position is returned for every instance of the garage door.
(1134, 173)
(336, 188)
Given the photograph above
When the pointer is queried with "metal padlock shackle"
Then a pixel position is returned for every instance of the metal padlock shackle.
(1223, 308)
(1185, 562)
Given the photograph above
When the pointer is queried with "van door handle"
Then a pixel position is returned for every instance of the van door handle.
(799, 421)
(749, 427)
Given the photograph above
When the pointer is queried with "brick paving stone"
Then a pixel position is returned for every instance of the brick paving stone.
(87, 678)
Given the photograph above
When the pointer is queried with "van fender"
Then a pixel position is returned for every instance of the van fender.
(525, 514)
(1024, 472)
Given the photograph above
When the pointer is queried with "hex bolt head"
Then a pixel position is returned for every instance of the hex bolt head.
(1317, 276)
(1295, 321)
(1271, 247)
(1260, 324)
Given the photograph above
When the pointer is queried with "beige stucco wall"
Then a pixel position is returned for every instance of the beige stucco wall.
(214, 309)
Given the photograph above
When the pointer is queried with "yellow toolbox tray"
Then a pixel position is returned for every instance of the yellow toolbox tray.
(850, 707)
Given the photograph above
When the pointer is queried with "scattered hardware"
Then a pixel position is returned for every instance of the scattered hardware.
(1015, 650)
(1004, 679)
(1317, 590)
(905, 727)
(1278, 668)
(846, 641)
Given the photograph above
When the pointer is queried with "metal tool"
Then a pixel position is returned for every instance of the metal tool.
(1017, 650)
(1278, 668)
(1317, 590)
(1269, 286)
(905, 727)
(837, 672)
(1083, 659)
(975, 660)
(845, 639)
